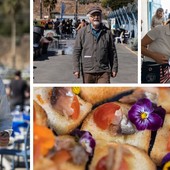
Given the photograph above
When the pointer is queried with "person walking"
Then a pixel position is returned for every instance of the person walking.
(94, 52)
(81, 25)
(18, 91)
(5, 117)
(56, 26)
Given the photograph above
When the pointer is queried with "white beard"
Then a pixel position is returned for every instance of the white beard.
(96, 23)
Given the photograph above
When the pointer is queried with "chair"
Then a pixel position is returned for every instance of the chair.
(26, 152)
(16, 151)
(119, 39)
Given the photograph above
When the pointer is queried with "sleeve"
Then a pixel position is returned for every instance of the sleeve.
(155, 33)
(77, 52)
(113, 55)
(5, 114)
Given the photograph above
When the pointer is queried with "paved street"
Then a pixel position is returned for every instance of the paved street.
(56, 68)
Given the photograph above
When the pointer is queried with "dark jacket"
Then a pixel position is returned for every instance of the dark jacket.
(97, 55)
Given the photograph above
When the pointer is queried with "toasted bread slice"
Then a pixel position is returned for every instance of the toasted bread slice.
(58, 122)
(97, 133)
(95, 95)
(139, 93)
(44, 163)
(140, 139)
(70, 166)
(164, 94)
(159, 149)
(135, 158)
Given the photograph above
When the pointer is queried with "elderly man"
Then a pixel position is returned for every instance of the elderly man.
(94, 52)
(5, 117)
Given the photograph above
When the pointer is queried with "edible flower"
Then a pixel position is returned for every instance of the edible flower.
(85, 139)
(146, 115)
(166, 162)
(166, 166)
(44, 139)
(76, 90)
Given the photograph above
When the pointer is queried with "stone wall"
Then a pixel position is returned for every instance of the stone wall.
(70, 8)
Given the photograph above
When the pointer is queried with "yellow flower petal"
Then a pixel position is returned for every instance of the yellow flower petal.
(76, 90)
(166, 166)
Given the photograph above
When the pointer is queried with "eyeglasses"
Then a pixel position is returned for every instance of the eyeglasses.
(95, 14)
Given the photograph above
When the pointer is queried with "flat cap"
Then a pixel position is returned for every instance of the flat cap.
(94, 9)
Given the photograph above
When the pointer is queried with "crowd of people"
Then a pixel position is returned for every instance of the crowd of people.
(64, 26)
(70, 27)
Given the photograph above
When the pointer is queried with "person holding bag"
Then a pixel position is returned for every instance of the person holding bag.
(155, 47)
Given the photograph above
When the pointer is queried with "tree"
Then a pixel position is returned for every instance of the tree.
(115, 4)
(12, 8)
(49, 5)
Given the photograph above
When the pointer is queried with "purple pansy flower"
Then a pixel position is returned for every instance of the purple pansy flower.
(87, 142)
(166, 158)
(166, 162)
(78, 133)
(85, 139)
(146, 115)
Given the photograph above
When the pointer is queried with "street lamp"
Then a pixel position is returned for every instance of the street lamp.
(76, 12)
(40, 9)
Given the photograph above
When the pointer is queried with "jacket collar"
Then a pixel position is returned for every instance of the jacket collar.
(102, 27)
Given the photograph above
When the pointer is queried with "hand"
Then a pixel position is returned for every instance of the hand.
(4, 138)
(113, 74)
(77, 75)
(160, 58)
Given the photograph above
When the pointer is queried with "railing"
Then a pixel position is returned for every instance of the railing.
(126, 18)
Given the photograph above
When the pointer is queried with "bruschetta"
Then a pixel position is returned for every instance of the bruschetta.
(161, 144)
(61, 152)
(114, 156)
(65, 110)
(109, 122)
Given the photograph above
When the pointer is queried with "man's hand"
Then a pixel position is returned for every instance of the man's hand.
(4, 138)
(77, 75)
(113, 74)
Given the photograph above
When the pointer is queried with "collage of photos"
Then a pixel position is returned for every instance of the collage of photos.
(85, 85)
